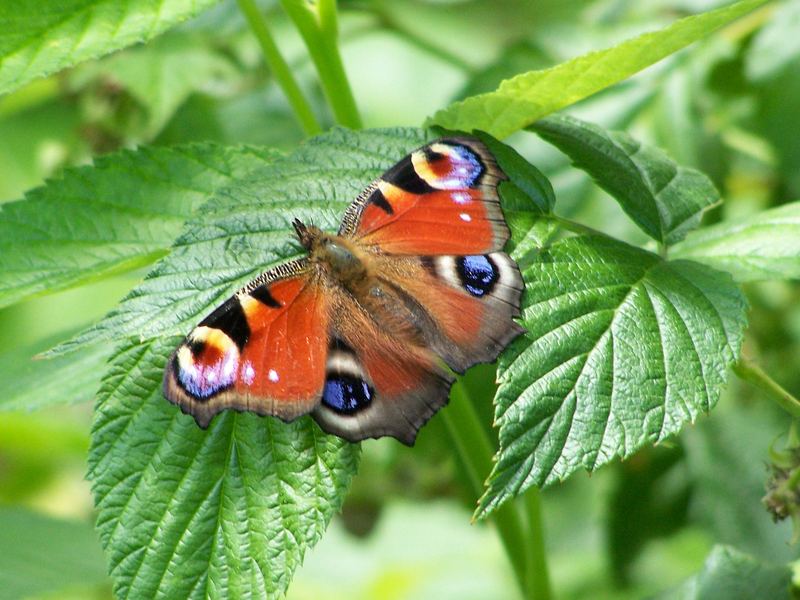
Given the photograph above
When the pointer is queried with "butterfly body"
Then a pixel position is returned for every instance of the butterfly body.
(366, 331)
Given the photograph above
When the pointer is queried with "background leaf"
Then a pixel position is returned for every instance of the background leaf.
(665, 199)
(223, 513)
(49, 555)
(38, 42)
(762, 246)
(162, 75)
(729, 574)
(524, 99)
(622, 348)
(28, 384)
(120, 214)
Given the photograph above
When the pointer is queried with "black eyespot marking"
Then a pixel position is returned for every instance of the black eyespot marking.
(261, 293)
(346, 394)
(404, 176)
(231, 320)
(478, 273)
(429, 264)
(340, 345)
(378, 199)
(196, 347)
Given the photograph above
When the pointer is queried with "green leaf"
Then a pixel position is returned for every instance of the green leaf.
(524, 99)
(729, 574)
(29, 384)
(37, 42)
(162, 75)
(776, 45)
(622, 348)
(663, 198)
(42, 554)
(223, 513)
(246, 229)
(763, 246)
(120, 214)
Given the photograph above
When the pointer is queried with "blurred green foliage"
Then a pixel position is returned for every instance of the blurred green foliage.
(727, 106)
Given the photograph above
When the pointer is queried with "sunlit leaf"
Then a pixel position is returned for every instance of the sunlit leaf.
(37, 42)
(120, 214)
(522, 100)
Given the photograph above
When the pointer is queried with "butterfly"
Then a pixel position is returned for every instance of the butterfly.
(365, 333)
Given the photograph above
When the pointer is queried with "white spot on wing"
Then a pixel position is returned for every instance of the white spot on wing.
(248, 373)
(465, 217)
(273, 375)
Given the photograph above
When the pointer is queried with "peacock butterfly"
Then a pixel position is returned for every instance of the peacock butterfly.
(366, 331)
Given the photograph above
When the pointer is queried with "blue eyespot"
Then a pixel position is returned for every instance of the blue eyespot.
(466, 168)
(478, 273)
(346, 394)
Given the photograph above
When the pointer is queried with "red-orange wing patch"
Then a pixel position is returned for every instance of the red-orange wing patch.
(263, 350)
(440, 199)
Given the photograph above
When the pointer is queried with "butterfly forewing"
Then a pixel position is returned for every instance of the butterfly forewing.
(263, 350)
(440, 199)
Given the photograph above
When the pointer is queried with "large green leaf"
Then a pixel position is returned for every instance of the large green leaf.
(524, 99)
(37, 39)
(223, 513)
(247, 229)
(622, 348)
(729, 574)
(119, 214)
(41, 554)
(763, 246)
(663, 198)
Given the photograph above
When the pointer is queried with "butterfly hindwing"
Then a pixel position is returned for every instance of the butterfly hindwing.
(262, 350)
(440, 199)
(466, 303)
(377, 384)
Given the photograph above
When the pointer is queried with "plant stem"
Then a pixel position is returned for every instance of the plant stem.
(538, 574)
(280, 70)
(752, 373)
(321, 39)
(517, 534)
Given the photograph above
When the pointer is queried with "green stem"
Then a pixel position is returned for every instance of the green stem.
(280, 70)
(328, 20)
(538, 574)
(321, 39)
(753, 374)
(474, 447)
